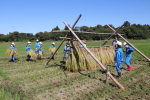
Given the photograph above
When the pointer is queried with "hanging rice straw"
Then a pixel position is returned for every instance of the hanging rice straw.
(80, 59)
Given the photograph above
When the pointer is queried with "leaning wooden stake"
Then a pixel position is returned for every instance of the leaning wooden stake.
(130, 44)
(113, 34)
(62, 41)
(101, 65)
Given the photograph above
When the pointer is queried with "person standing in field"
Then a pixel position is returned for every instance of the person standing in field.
(67, 50)
(40, 50)
(27, 49)
(114, 42)
(119, 58)
(12, 46)
(37, 45)
(129, 51)
(52, 49)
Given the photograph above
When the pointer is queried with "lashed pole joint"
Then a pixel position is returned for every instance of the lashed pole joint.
(63, 40)
(101, 65)
(129, 43)
(113, 34)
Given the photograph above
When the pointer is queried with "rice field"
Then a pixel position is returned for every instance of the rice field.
(32, 80)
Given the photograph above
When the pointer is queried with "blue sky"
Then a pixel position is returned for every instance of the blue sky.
(32, 16)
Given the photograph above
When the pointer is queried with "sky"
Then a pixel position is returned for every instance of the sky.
(33, 16)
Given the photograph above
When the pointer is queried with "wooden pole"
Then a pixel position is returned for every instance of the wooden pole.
(113, 34)
(62, 40)
(101, 65)
(129, 43)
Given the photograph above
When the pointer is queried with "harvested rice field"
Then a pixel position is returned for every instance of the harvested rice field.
(32, 80)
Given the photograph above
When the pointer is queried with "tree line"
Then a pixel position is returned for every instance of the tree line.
(130, 31)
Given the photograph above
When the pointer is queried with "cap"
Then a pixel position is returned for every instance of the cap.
(37, 40)
(28, 42)
(119, 43)
(53, 43)
(124, 43)
(13, 43)
(40, 42)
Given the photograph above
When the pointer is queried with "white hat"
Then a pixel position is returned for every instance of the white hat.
(40, 42)
(37, 40)
(28, 42)
(119, 43)
(13, 43)
(53, 43)
(124, 43)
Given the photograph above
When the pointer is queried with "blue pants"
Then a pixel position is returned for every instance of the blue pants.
(28, 56)
(128, 58)
(118, 66)
(36, 51)
(66, 55)
(13, 58)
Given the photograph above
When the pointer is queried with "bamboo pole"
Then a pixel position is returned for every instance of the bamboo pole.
(101, 65)
(130, 44)
(113, 34)
(63, 40)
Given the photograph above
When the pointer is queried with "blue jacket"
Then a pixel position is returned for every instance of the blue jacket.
(12, 47)
(129, 50)
(37, 45)
(67, 49)
(40, 48)
(52, 46)
(28, 47)
(119, 55)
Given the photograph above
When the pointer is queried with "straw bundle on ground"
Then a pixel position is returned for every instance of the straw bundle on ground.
(32, 54)
(80, 59)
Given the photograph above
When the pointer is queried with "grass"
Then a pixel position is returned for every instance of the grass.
(32, 80)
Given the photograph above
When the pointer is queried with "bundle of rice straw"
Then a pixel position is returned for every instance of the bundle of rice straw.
(81, 60)
(52, 50)
(10, 52)
(41, 53)
(32, 54)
